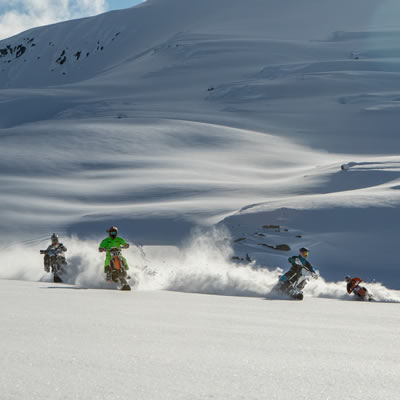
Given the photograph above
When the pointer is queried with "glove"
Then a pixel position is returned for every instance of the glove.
(315, 275)
(126, 245)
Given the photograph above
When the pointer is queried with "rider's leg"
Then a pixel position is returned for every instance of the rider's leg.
(283, 280)
(46, 261)
(302, 284)
(107, 262)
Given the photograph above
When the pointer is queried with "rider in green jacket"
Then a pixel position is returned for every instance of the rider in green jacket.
(107, 244)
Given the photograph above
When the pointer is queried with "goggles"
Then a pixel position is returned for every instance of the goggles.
(112, 233)
(305, 253)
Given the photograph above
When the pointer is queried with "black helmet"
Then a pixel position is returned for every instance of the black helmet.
(304, 252)
(113, 232)
(347, 278)
(54, 237)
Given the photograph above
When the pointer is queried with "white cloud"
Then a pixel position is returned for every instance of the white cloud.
(21, 15)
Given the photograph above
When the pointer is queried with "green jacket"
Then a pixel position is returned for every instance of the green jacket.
(109, 243)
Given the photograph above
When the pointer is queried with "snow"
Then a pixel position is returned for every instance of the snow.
(101, 344)
(210, 132)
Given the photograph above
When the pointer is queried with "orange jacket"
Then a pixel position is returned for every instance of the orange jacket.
(353, 284)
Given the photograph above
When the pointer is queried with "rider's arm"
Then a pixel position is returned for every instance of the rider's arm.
(123, 243)
(310, 267)
(103, 246)
(349, 288)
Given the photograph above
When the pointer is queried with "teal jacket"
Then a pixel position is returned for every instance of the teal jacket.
(296, 269)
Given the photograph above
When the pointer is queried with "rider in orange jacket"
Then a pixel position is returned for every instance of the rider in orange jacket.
(353, 286)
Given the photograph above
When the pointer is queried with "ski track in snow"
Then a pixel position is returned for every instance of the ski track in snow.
(201, 265)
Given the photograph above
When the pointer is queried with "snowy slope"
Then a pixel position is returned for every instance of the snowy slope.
(177, 113)
(98, 344)
(210, 132)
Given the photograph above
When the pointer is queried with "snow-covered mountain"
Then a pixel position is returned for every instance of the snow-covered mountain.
(220, 136)
(177, 113)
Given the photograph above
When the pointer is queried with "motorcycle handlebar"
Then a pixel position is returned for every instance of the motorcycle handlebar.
(58, 250)
(120, 248)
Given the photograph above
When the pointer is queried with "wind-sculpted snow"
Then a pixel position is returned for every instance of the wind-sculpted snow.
(182, 112)
(203, 264)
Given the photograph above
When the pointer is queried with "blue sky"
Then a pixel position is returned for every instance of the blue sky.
(116, 4)
(19, 15)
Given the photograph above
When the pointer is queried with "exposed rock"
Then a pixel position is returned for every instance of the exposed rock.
(283, 247)
(62, 58)
(121, 115)
(20, 50)
(280, 247)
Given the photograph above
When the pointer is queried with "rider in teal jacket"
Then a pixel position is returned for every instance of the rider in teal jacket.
(107, 244)
(298, 263)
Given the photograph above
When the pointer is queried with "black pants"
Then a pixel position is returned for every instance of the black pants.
(46, 260)
(292, 278)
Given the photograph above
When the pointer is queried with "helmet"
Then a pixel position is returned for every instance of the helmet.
(54, 237)
(347, 278)
(113, 231)
(304, 251)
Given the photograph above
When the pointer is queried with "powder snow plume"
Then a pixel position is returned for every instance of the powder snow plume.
(201, 265)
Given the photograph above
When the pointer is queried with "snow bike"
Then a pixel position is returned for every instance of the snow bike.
(56, 263)
(294, 286)
(361, 292)
(117, 272)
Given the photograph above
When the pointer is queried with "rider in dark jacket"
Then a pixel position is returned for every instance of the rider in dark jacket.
(55, 244)
(298, 263)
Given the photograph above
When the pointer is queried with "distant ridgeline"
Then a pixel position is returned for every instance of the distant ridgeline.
(24, 50)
